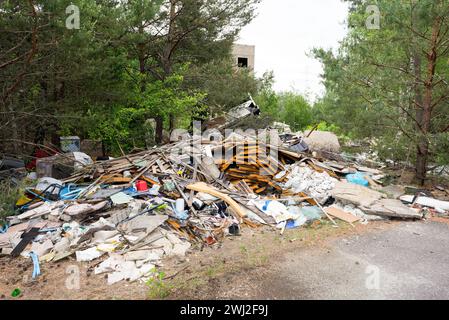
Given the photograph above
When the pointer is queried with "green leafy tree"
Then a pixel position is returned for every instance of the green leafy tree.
(287, 107)
(225, 85)
(392, 81)
(295, 111)
(129, 61)
(195, 31)
(50, 73)
(267, 98)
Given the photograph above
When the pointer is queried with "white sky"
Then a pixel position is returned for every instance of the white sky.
(285, 31)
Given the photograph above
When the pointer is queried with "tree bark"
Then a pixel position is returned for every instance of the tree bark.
(424, 113)
(422, 157)
(421, 147)
(159, 129)
(167, 59)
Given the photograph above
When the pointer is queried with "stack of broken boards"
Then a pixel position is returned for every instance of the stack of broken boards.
(253, 165)
(141, 166)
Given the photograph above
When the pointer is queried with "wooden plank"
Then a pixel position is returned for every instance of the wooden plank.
(236, 171)
(290, 154)
(342, 215)
(248, 167)
(115, 179)
(150, 180)
(27, 237)
(160, 165)
(195, 173)
(243, 187)
(225, 166)
(274, 185)
(246, 187)
(142, 171)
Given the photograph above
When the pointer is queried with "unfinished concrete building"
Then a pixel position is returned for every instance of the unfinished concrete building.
(244, 56)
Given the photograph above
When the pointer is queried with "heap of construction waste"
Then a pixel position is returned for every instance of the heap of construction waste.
(133, 211)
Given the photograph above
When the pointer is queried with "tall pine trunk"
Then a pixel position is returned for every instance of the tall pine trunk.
(424, 114)
(421, 147)
(159, 129)
(167, 59)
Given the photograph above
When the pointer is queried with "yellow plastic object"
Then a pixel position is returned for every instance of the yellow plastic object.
(24, 199)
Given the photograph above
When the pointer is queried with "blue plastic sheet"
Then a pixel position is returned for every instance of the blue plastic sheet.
(36, 267)
(358, 178)
(70, 192)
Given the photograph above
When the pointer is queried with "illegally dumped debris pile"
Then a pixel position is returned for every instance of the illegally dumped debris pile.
(302, 178)
(135, 210)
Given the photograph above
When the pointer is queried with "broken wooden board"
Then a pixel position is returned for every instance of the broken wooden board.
(114, 179)
(369, 170)
(27, 238)
(342, 215)
(208, 165)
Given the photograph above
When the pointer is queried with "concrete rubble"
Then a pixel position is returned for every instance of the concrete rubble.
(318, 185)
(322, 141)
(355, 194)
(393, 208)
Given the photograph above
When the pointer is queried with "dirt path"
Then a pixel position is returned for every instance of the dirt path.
(410, 261)
(246, 267)
(407, 260)
(249, 267)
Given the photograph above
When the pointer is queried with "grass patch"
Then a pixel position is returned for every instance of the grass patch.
(158, 288)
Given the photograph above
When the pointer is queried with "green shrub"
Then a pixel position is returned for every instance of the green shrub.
(158, 288)
(9, 193)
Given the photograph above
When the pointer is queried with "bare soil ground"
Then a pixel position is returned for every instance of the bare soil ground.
(233, 270)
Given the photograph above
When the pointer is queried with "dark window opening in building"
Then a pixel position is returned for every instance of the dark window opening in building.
(243, 62)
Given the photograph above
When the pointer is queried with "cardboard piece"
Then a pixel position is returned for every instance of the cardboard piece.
(342, 215)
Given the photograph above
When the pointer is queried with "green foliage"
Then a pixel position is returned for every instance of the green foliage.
(129, 61)
(9, 193)
(324, 126)
(287, 107)
(225, 86)
(295, 111)
(127, 125)
(267, 99)
(395, 148)
(376, 82)
(442, 148)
